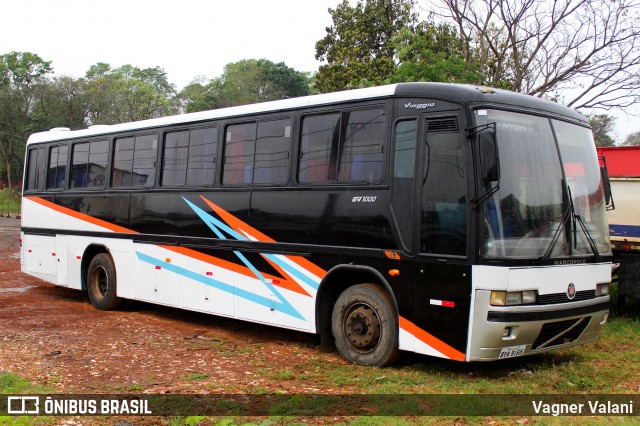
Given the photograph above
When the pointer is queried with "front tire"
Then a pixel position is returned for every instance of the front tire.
(101, 283)
(365, 326)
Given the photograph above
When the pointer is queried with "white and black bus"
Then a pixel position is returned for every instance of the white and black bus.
(455, 221)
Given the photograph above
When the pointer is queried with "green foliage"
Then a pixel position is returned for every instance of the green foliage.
(632, 139)
(20, 75)
(432, 52)
(244, 82)
(359, 48)
(602, 125)
(127, 93)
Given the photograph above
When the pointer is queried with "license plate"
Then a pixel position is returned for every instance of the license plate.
(511, 351)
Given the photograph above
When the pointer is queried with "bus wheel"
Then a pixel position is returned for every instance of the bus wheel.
(365, 326)
(101, 283)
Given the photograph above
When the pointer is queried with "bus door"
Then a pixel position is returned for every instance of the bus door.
(443, 274)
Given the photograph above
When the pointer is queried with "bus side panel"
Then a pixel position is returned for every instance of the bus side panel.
(39, 256)
(435, 315)
(206, 284)
(337, 217)
(156, 277)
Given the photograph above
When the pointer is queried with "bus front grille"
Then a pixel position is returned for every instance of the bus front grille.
(560, 332)
(551, 299)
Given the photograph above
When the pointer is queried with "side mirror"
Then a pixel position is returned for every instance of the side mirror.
(489, 159)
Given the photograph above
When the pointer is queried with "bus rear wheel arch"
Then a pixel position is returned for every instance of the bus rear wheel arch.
(364, 325)
(101, 283)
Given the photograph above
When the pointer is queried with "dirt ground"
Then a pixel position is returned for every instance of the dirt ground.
(52, 336)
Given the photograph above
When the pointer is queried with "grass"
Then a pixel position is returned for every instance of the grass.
(9, 202)
(609, 366)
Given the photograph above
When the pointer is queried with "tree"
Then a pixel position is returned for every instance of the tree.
(61, 102)
(244, 82)
(20, 73)
(127, 93)
(588, 50)
(359, 48)
(431, 52)
(632, 139)
(602, 125)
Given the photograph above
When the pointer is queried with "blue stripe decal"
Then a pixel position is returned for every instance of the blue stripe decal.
(292, 271)
(285, 307)
(217, 226)
(632, 231)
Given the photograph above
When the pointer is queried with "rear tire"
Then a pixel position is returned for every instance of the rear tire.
(101, 283)
(365, 326)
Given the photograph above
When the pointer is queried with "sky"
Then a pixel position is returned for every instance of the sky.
(187, 38)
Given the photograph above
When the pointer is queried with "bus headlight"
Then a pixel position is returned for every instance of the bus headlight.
(602, 289)
(511, 298)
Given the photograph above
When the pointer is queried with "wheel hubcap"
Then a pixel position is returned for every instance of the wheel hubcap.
(362, 327)
(100, 282)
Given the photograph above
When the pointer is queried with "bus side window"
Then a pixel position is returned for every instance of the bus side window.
(319, 148)
(201, 163)
(36, 167)
(144, 161)
(239, 149)
(403, 195)
(79, 161)
(57, 167)
(362, 151)
(174, 159)
(134, 161)
(97, 167)
(273, 144)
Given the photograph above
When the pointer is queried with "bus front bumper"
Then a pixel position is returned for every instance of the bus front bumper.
(507, 332)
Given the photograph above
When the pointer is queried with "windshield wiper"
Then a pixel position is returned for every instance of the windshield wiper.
(575, 218)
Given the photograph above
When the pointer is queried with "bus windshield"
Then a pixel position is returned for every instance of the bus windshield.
(539, 211)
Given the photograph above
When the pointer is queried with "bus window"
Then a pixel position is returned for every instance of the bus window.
(36, 164)
(273, 144)
(361, 153)
(202, 156)
(134, 161)
(239, 147)
(57, 167)
(402, 195)
(174, 164)
(144, 160)
(79, 161)
(319, 148)
(89, 164)
(97, 168)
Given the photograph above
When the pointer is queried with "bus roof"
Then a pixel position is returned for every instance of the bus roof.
(443, 91)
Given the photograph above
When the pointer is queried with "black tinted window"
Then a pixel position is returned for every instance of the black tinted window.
(57, 167)
(202, 156)
(272, 152)
(89, 164)
(134, 161)
(239, 148)
(362, 150)
(36, 166)
(189, 157)
(319, 148)
(343, 147)
(176, 151)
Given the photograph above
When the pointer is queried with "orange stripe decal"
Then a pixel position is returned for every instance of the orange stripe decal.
(238, 225)
(81, 216)
(212, 260)
(430, 340)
